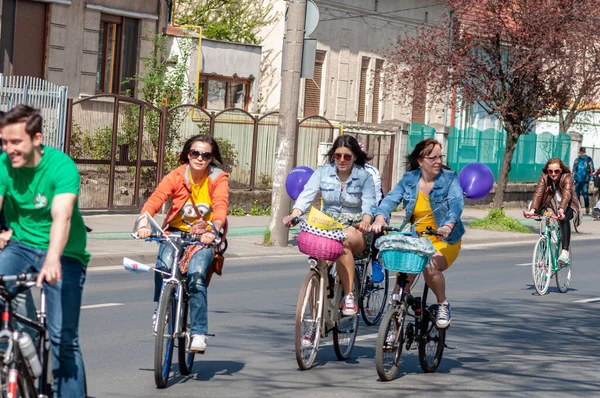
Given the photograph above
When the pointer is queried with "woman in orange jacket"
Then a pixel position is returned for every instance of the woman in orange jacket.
(200, 182)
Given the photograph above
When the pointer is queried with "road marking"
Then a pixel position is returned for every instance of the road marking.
(523, 265)
(91, 306)
(590, 300)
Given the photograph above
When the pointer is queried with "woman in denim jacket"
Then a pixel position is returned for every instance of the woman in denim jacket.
(432, 196)
(348, 193)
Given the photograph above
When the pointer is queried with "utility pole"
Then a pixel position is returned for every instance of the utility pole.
(285, 145)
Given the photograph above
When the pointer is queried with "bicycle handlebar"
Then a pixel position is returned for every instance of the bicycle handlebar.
(184, 237)
(23, 277)
(539, 217)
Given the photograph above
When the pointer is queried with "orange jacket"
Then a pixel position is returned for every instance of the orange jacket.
(176, 185)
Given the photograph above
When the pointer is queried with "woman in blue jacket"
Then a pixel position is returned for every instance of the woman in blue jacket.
(432, 196)
(348, 194)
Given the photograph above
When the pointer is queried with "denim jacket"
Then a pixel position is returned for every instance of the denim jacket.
(356, 196)
(446, 198)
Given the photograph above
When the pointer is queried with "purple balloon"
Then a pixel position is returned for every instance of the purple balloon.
(296, 180)
(476, 180)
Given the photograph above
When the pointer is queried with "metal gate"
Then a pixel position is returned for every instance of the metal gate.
(49, 98)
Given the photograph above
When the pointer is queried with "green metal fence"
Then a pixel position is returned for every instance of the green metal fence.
(487, 146)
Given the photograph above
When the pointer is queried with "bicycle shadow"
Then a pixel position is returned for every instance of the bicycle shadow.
(203, 371)
(551, 289)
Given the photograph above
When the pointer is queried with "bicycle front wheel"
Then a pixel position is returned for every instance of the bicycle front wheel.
(540, 266)
(164, 341)
(306, 342)
(563, 275)
(186, 358)
(431, 344)
(390, 339)
(346, 328)
(374, 296)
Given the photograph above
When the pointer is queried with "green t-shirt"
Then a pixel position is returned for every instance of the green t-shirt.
(28, 194)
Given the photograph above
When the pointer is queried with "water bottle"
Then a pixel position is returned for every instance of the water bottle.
(377, 271)
(30, 355)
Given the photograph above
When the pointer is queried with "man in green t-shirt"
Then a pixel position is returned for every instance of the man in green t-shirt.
(38, 190)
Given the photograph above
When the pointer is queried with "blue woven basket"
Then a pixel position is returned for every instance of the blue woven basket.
(401, 261)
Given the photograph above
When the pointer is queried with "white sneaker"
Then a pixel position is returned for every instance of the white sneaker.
(198, 343)
(564, 257)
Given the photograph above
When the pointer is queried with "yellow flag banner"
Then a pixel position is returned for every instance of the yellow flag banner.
(320, 220)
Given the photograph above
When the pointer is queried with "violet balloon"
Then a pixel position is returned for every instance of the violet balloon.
(296, 180)
(476, 180)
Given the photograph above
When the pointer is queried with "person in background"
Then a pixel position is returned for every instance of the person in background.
(583, 169)
(377, 268)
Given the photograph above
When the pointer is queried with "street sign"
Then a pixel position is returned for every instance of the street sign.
(311, 19)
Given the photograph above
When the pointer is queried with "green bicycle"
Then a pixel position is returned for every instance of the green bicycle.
(544, 264)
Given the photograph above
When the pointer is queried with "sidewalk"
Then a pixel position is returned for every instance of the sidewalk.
(110, 240)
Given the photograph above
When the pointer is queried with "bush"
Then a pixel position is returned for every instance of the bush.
(497, 220)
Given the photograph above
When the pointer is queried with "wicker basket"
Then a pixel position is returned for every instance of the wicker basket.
(318, 246)
(399, 261)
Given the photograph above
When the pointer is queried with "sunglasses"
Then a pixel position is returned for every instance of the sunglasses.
(556, 171)
(434, 159)
(205, 155)
(338, 156)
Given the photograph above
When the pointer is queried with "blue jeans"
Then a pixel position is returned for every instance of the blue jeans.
(63, 305)
(581, 188)
(196, 276)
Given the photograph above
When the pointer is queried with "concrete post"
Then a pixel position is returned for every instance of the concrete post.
(441, 135)
(576, 139)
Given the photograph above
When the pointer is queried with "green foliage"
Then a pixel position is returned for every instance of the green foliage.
(237, 21)
(96, 145)
(235, 210)
(266, 180)
(267, 237)
(258, 210)
(497, 220)
(228, 153)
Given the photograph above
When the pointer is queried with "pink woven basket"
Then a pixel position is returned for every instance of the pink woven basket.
(318, 246)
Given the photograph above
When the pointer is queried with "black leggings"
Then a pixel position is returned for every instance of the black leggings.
(565, 228)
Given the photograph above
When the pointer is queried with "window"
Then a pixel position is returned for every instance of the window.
(220, 93)
(376, 90)
(26, 29)
(312, 88)
(362, 88)
(117, 54)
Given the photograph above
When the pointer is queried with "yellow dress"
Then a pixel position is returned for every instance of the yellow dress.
(424, 216)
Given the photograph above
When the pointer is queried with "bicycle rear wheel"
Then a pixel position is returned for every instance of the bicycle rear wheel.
(186, 358)
(390, 340)
(563, 275)
(307, 330)
(164, 340)
(373, 296)
(346, 328)
(540, 266)
(431, 344)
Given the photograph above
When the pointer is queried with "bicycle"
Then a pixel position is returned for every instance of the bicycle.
(26, 366)
(393, 334)
(373, 295)
(172, 326)
(318, 312)
(544, 263)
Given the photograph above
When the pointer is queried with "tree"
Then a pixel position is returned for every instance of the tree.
(510, 57)
(237, 21)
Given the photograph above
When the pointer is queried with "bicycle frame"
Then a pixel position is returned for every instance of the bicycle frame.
(553, 247)
(326, 323)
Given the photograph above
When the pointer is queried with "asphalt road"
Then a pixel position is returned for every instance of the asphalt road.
(507, 340)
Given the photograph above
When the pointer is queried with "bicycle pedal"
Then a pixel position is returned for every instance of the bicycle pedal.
(448, 347)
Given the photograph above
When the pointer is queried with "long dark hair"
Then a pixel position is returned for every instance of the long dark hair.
(423, 148)
(349, 142)
(565, 169)
(183, 156)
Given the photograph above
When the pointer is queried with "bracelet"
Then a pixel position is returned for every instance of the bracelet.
(447, 225)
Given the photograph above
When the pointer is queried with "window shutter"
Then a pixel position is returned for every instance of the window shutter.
(30, 39)
(376, 89)
(418, 103)
(362, 90)
(312, 88)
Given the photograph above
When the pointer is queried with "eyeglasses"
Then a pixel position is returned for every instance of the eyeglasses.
(205, 155)
(338, 156)
(554, 171)
(434, 159)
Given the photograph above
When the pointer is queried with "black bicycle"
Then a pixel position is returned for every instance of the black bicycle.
(26, 366)
(394, 334)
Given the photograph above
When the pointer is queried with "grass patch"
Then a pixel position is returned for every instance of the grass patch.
(497, 220)
(267, 237)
